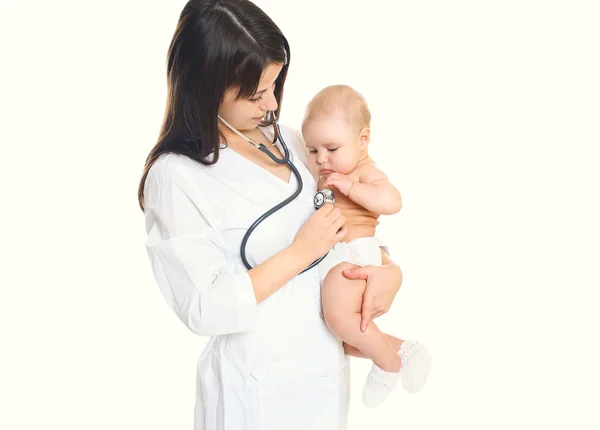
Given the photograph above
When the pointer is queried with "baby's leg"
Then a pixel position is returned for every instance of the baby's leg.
(355, 352)
(342, 301)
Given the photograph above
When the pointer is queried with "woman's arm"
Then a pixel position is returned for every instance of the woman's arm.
(275, 272)
(187, 259)
(315, 238)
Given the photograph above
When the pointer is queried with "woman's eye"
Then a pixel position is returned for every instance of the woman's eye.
(261, 96)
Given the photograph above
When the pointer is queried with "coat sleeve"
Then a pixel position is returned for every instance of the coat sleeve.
(186, 256)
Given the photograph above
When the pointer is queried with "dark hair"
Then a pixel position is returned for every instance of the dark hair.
(217, 45)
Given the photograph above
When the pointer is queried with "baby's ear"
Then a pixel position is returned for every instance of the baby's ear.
(364, 137)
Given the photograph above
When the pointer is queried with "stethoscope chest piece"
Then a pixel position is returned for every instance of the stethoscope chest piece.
(322, 197)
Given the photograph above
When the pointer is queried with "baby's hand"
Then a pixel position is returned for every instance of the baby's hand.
(341, 182)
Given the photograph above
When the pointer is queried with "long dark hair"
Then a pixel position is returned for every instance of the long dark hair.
(217, 45)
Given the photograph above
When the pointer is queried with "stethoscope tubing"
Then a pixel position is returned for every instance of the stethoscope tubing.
(284, 160)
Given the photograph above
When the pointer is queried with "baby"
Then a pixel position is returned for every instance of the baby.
(336, 132)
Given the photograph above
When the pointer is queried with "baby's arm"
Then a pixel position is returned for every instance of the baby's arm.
(373, 190)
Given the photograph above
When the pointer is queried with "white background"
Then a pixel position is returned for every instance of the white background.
(486, 117)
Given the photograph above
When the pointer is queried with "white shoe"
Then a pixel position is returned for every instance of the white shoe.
(416, 363)
(378, 386)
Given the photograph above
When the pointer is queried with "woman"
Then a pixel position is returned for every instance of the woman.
(271, 362)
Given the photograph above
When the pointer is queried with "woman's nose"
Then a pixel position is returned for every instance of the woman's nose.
(270, 101)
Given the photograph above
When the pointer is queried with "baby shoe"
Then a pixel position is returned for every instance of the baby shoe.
(416, 363)
(378, 386)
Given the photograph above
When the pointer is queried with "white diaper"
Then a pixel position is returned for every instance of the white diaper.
(363, 251)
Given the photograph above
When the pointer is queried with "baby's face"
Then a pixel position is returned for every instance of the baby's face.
(333, 145)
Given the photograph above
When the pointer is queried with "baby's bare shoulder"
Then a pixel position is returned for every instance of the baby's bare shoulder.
(369, 173)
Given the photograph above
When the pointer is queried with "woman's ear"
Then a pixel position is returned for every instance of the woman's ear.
(364, 138)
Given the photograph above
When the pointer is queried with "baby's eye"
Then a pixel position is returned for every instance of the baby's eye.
(333, 149)
(312, 151)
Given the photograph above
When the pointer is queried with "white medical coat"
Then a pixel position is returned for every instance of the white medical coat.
(267, 366)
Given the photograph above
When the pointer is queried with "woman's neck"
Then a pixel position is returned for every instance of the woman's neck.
(232, 136)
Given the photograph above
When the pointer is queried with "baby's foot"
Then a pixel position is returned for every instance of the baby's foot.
(378, 386)
(416, 363)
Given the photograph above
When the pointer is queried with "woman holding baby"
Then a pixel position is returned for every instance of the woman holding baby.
(271, 362)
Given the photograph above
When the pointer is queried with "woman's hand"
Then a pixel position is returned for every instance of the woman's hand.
(320, 233)
(383, 282)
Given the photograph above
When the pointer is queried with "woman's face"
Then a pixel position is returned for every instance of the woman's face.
(246, 114)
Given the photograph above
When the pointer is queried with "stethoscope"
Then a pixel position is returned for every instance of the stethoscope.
(319, 200)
